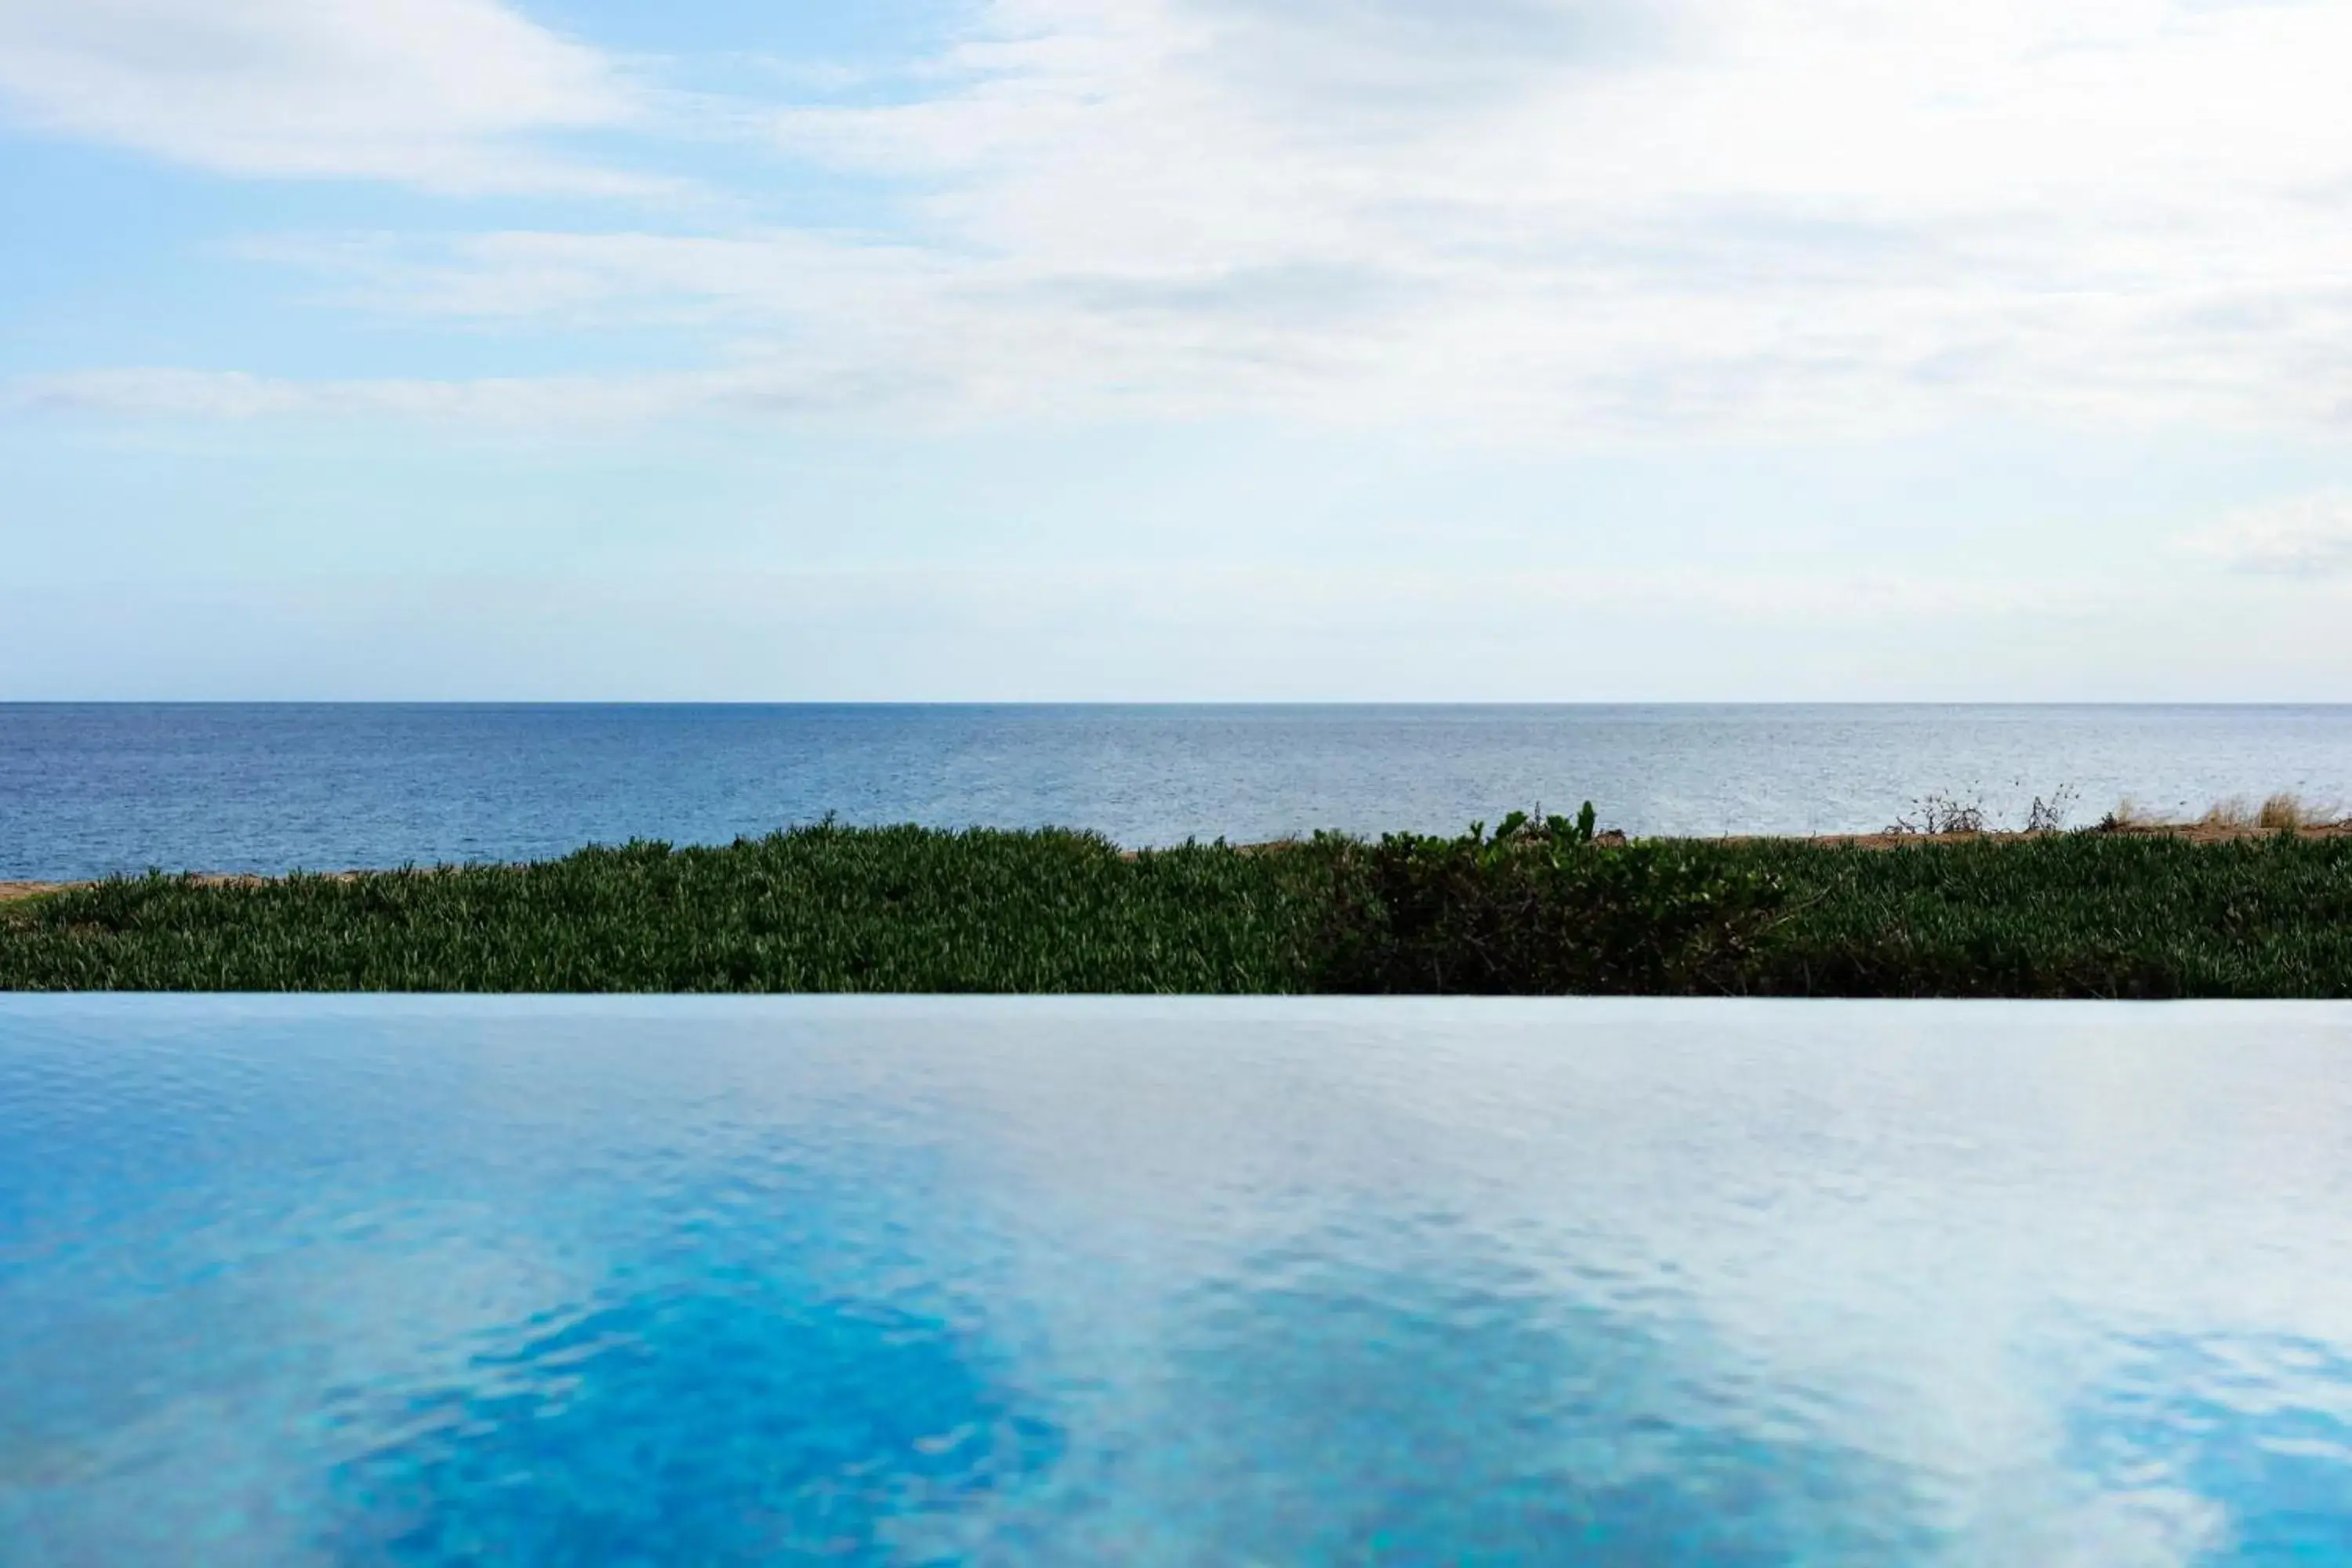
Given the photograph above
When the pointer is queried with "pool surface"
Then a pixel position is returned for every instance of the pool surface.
(932, 1282)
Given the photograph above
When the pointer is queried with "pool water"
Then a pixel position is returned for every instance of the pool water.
(925, 1281)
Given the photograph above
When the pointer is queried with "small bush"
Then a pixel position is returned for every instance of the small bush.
(2283, 812)
(1936, 814)
(1539, 909)
(2231, 813)
(2050, 816)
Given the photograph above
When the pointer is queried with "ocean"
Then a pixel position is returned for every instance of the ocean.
(86, 790)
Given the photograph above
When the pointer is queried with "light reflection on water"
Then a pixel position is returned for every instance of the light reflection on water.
(423, 1281)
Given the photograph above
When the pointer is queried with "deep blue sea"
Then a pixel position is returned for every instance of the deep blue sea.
(86, 790)
(1631, 1284)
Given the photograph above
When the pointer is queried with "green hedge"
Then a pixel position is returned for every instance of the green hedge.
(1539, 909)
(1535, 908)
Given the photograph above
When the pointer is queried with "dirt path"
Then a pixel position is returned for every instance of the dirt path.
(205, 878)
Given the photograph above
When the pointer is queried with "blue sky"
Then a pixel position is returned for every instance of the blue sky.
(1175, 348)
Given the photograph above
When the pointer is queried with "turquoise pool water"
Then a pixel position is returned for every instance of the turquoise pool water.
(912, 1280)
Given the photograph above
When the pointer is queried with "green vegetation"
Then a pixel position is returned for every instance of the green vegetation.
(818, 908)
(1540, 906)
(2080, 914)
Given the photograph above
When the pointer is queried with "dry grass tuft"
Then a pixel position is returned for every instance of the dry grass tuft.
(2233, 814)
(2282, 811)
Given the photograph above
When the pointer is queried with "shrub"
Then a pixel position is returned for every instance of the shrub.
(2049, 815)
(1539, 909)
(1940, 815)
(2285, 813)
(2128, 816)
(2231, 813)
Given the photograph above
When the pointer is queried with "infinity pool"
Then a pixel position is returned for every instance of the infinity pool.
(618, 1281)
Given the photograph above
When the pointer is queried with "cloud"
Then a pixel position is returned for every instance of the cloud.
(2307, 536)
(1718, 213)
(163, 392)
(1355, 65)
(775, 386)
(447, 94)
(1559, 222)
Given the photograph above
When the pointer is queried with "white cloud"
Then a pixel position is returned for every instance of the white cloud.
(441, 93)
(1755, 213)
(2307, 536)
(163, 391)
(1562, 221)
(772, 385)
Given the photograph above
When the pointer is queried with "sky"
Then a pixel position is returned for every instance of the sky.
(1176, 349)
